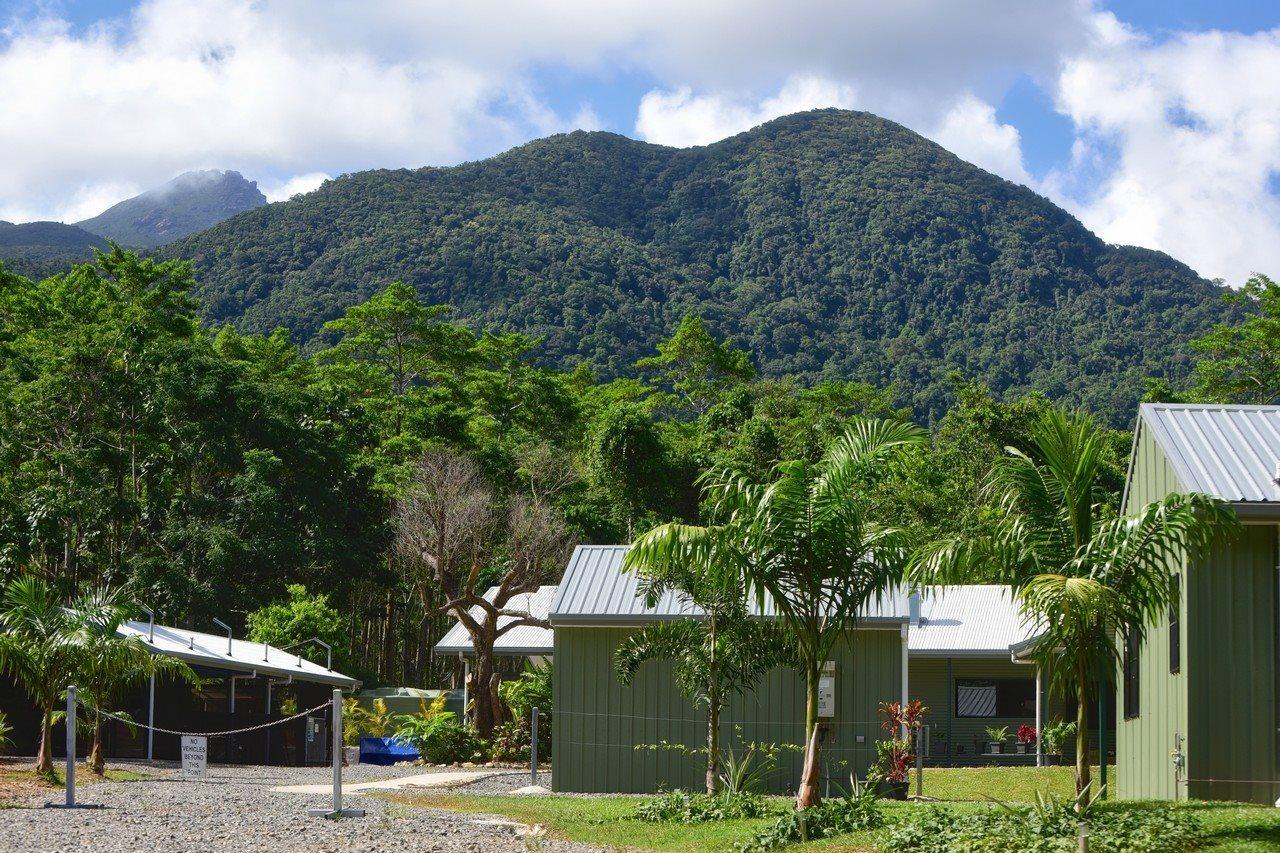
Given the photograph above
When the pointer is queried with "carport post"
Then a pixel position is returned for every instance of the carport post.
(151, 716)
(533, 749)
(337, 811)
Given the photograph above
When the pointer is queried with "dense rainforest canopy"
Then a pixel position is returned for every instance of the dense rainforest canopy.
(830, 245)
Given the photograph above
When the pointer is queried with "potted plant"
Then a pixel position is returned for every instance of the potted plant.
(895, 755)
(1026, 738)
(995, 739)
(1055, 735)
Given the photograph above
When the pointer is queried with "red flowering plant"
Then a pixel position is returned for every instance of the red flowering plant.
(894, 755)
(1027, 734)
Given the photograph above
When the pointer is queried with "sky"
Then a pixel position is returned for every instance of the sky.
(1156, 123)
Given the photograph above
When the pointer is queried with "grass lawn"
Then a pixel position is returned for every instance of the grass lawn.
(18, 781)
(610, 821)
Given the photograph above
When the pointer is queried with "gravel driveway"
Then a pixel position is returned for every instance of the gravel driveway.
(235, 809)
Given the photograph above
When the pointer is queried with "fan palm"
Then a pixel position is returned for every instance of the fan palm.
(109, 662)
(717, 658)
(1082, 575)
(811, 544)
(39, 649)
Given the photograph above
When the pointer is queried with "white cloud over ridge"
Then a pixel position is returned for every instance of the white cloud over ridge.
(1176, 141)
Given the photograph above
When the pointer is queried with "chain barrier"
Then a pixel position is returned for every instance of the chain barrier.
(260, 726)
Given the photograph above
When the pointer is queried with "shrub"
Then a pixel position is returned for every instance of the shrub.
(359, 721)
(437, 734)
(5, 731)
(531, 689)
(1056, 735)
(682, 807)
(825, 820)
(1051, 825)
(512, 740)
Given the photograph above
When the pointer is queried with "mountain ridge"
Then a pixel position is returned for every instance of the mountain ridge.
(190, 202)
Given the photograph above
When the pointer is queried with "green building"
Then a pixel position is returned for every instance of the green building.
(1198, 699)
(949, 647)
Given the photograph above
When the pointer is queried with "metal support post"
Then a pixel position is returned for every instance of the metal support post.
(337, 811)
(1102, 740)
(920, 762)
(533, 750)
(71, 758)
(151, 718)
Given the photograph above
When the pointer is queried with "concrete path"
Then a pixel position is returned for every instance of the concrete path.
(421, 780)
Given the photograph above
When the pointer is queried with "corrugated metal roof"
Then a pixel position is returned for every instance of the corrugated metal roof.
(525, 640)
(210, 650)
(595, 590)
(967, 621)
(1228, 452)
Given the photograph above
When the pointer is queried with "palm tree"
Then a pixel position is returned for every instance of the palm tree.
(108, 662)
(810, 542)
(717, 658)
(39, 649)
(1083, 575)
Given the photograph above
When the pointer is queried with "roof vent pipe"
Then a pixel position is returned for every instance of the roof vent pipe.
(913, 604)
(151, 624)
(227, 628)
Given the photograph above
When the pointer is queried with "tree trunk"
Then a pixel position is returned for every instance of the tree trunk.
(97, 763)
(44, 756)
(810, 777)
(482, 694)
(713, 746)
(1082, 740)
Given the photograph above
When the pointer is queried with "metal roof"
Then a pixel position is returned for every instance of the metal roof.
(525, 640)
(210, 650)
(595, 591)
(967, 621)
(1228, 452)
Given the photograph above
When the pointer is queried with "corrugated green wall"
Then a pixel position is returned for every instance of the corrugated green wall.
(1144, 769)
(928, 682)
(598, 723)
(1231, 648)
(1224, 700)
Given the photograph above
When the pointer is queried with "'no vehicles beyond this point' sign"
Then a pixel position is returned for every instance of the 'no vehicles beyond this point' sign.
(195, 754)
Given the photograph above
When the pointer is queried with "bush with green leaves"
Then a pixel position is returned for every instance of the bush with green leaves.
(438, 736)
(512, 741)
(1049, 826)
(829, 818)
(684, 807)
(5, 731)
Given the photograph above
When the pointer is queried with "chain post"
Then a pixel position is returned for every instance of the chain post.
(70, 802)
(337, 811)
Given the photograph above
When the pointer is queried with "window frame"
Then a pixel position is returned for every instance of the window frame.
(956, 683)
(1132, 682)
(1175, 627)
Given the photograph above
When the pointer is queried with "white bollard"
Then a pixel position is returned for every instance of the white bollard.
(71, 758)
(337, 811)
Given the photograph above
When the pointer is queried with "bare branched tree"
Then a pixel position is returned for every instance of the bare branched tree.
(450, 527)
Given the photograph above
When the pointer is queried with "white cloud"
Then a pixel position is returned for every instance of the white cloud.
(297, 185)
(681, 118)
(971, 131)
(1178, 142)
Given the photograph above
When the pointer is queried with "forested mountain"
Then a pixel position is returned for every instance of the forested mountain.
(38, 249)
(188, 203)
(829, 244)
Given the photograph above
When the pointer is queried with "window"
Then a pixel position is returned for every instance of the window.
(997, 697)
(1175, 627)
(1130, 668)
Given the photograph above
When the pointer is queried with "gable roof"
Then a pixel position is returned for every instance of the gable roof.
(976, 620)
(522, 641)
(200, 649)
(1227, 452)
(595, 591)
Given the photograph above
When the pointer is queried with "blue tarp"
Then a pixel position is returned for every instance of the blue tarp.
(385, 751)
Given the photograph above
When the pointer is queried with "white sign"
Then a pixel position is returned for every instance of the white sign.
(827, 696)
(195, 755)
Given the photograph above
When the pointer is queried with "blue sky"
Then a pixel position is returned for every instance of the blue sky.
(1157, 123)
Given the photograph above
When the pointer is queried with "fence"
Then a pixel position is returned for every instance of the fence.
(73, 703)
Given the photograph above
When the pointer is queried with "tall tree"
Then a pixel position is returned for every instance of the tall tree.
(695, 367)
(714, 658)
(1083, 574)
(450, 525)
(812, 543)
(1240, 363)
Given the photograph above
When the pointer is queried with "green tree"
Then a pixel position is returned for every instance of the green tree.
(1240, 363)
(290, 623)
(811, 542)
(107, 662)
(1082, 573)
(39, 648)
(715, 658)
(696, 367)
